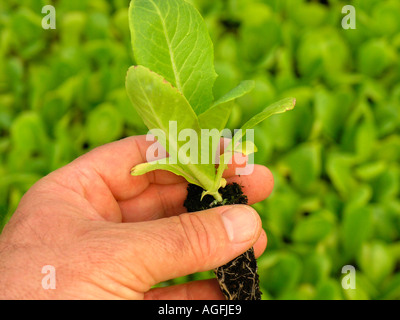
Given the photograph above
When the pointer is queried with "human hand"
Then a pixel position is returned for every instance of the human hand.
(110, 235)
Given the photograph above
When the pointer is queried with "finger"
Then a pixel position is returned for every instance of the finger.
(199, 290)
(113, 163)
(258, 185)
(102, 176)
(159, 250)
(196, 290)
(159, 201)
(238, 162)
(261, 244)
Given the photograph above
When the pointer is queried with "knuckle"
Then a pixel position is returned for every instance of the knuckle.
(198, 236)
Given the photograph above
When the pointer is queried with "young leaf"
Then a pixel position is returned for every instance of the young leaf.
(243, 88)
(159, 104)
(170, 37)
(144, 168)
(276, 108)
(217, 116)
(246, 148)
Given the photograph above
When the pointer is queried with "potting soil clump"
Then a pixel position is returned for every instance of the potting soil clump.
(238, 279)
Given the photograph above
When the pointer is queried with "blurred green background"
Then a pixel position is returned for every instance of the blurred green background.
(335, 158)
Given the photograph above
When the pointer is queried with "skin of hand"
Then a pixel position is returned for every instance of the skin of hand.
(110, 235)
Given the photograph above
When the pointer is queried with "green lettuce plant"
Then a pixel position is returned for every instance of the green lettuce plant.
(173, 81)
(335, 158)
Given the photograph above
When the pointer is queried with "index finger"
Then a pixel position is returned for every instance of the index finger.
(113, 163)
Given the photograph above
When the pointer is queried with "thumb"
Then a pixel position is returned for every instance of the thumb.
(180, 245)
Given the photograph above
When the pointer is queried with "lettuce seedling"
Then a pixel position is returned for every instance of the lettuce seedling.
(173, 81)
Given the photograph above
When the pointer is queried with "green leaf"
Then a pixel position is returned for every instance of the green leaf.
(370, 170)
(157, 165)
(328, 290)
(276, 108)
(329, 117)
(312, 229)
(375, 57)
(159, 104)
(304, 165)
(229, 76)
(364, 289)
(284, 273)
(171, 38)
(386, 185)
(356, 228)
(246, 148)
(217, 116)
(392, 289)
(376, 261)
(339, 169)
(317, 267)
(28, 132)
(104, 125)
(243, 88)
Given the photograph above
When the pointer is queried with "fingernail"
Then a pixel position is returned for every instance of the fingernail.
(240, 223)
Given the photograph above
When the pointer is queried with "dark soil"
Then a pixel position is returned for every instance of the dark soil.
(238, 279)
(232, 194)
